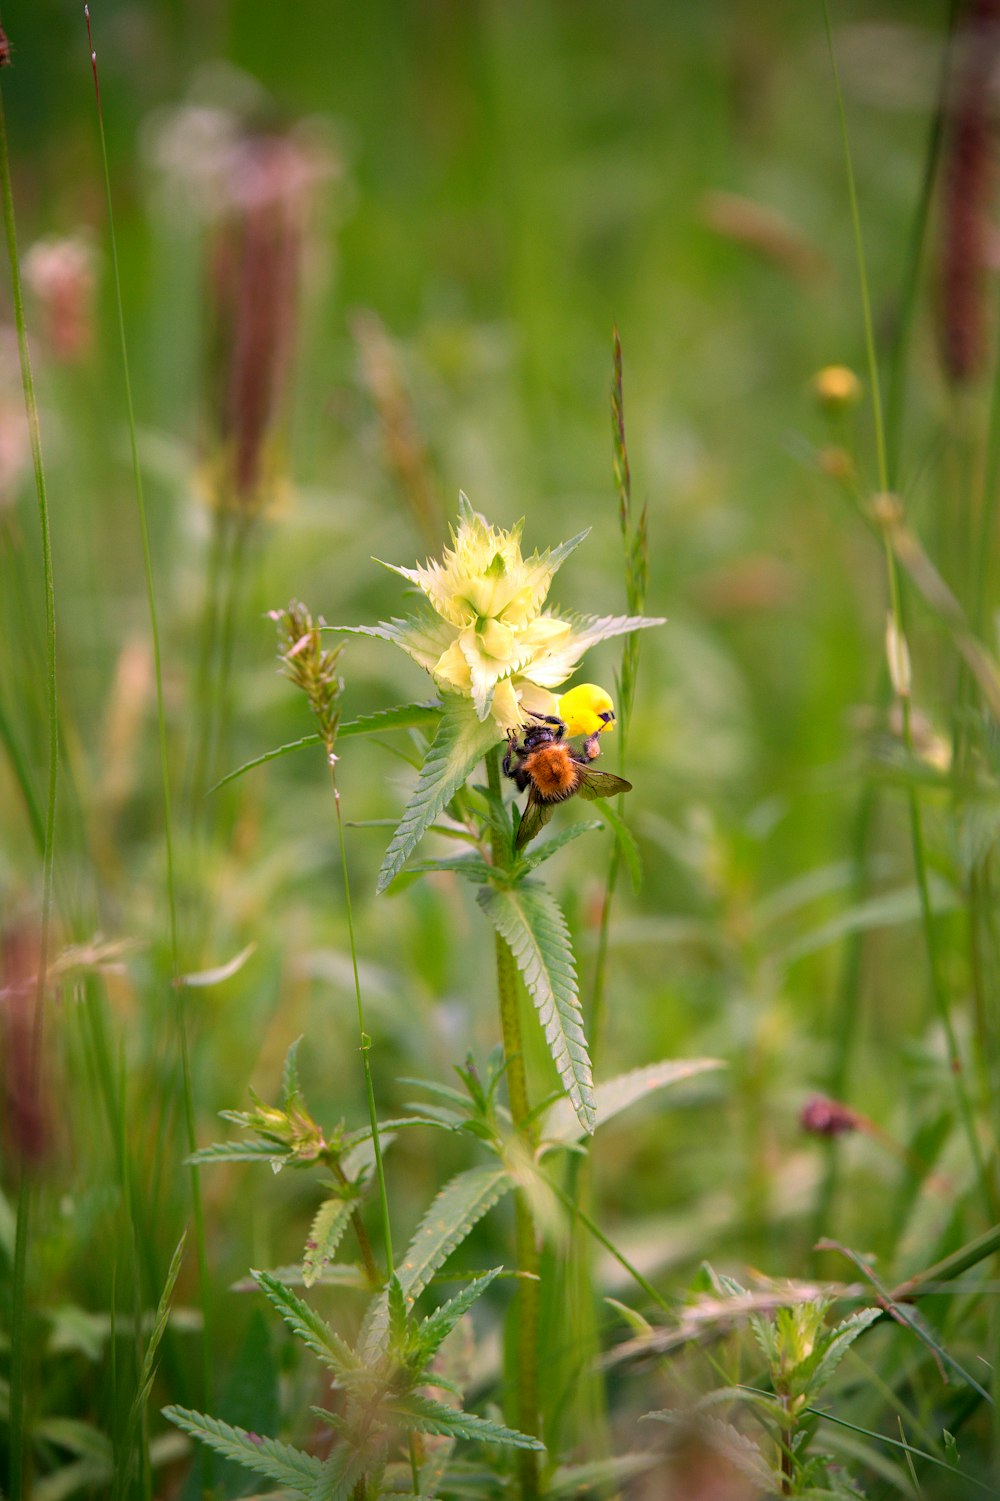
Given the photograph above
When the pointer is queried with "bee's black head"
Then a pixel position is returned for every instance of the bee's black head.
(539, 734)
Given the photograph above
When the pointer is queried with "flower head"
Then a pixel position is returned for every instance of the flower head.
(486, 634)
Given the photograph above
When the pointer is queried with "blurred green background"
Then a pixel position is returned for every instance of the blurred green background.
(499, 184)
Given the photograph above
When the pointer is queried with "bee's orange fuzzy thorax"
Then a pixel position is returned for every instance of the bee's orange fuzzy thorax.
(553, 771)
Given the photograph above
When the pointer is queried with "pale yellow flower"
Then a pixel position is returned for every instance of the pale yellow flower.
(486, 636)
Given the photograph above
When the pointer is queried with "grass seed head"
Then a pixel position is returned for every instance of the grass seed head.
(310, 666)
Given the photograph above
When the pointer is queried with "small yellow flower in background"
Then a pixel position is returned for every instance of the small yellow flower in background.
(836, 387)
(486, 635)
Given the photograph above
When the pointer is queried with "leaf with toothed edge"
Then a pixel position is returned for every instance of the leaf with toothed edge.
(325, 1235)
(314, 1332)
(560, 1127)
(265, 1456)
(404, 716)
(460, 744)
(424, 1415)
(528, 918)
(460, 1205)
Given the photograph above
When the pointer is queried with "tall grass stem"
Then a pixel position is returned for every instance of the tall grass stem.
(365, 1039)
(22, 1234)
(161, 717)
(895, 605)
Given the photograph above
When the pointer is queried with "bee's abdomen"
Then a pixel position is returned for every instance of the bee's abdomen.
(553, 771)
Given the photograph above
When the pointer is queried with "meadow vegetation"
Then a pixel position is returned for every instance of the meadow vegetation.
(647, 1150)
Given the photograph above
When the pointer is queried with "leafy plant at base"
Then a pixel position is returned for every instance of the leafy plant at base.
(382, 1386)
(801, 1354)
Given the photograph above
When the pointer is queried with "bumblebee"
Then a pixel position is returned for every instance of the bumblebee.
(549, 769)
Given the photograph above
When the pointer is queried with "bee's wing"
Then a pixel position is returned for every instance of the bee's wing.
(594, 784)
(534, 818)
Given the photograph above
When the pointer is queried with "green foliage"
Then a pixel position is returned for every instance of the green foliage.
(382, 1384)
(801, 1355)
(404, 717)
(325, 1235)
(456, 1209)
(530, 922)
(297, 1471)
(459, 745)
(819, 851)
(559, 1126)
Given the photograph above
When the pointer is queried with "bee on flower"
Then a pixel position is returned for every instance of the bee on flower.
(496, 654)
(486, 634)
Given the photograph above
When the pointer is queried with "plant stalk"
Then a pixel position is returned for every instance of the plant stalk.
(18, 1443)
(366, 1041)
(895, 605)
(180, 1003)
(528, 1260)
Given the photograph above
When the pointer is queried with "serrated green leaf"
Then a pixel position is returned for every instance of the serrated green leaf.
(237, 1151)
(396, 1302)
(325, 1235)
(530, 922)
(471, 867)
(341, 1473)
(528, 860)
(438, 1325)
(291, 1276)
(589, 629)
(405, 716)
(290, 1467)
(812, 1374)
(560, 1126)
(460, 1205)
(306, 1323)
(291, 1089)
(424, 1415)
(461, 742)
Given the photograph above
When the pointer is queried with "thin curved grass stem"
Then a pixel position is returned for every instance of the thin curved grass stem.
(895, 606)
(187, 1087)
(365, 1039)
(22, 1234)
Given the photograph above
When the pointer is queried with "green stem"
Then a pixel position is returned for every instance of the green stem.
(910, 271)
(571, 1203)
(357, 1224)
(197, 777)
(19, 766)
(895, 605)
(366, 1041)
(598, 999)
(846, 1008)
(161, 718)
(233, 585)
(17, 1359)
(526, 1236)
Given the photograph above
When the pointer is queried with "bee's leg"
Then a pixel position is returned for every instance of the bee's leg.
(512, 746)
(592, 747)
(552, 719)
